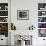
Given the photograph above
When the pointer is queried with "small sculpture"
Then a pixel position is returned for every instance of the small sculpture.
(13, 27)
(31, 27)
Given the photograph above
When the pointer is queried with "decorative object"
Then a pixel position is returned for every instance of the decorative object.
(6, 7)
(4, 29)
(22, 14)
(31, 27)
(3, 19)
(3, 13)
(23, 40)
(42, 32)
(41, 6)
(41, 19)
(41, 25)
(13, 27)
(43, 13)
(24, 37)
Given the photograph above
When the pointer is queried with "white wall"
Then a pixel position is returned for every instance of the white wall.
(24, 5)
(32, 6)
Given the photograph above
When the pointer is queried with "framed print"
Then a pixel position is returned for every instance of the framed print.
(22, 14)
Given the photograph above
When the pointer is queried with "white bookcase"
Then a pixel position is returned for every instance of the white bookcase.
(5, 13)
(4, 19)
(42, 19)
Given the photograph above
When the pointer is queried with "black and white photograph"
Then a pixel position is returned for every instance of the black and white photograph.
(22, 14)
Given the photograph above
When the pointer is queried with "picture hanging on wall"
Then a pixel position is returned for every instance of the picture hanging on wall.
(22, 14)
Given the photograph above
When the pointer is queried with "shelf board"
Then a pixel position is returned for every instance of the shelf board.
(41, 22)
(41, 10)
(3, 22)
(41, 28)
(3, 10)
(42, 16)
(3, 16)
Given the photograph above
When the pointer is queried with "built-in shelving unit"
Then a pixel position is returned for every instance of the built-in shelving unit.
(42, 19)
(4, 19)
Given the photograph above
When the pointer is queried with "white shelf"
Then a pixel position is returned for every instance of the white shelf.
(41, 22)
(3, 16)
(3, 10)
(41, 10)
(42, 16)
(41, 28)
(3, 22)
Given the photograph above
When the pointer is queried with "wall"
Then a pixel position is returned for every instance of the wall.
(32, 6)
(21, 5)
